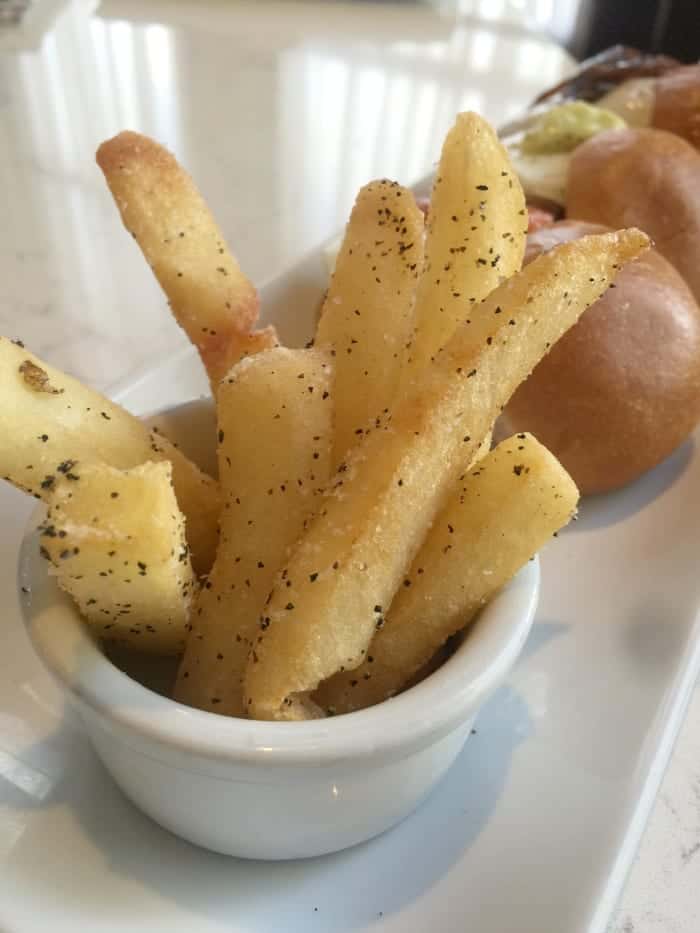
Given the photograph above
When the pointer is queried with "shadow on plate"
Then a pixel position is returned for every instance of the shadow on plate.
(608, 509)
(541, 633)
(348, 891)
(339, 893)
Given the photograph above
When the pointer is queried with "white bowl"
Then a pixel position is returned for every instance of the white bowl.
(263, 789)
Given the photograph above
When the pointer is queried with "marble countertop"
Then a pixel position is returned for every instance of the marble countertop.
(280, 111)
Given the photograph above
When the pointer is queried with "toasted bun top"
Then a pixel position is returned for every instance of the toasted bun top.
(677, 103)
(621, 390)
(646, 178)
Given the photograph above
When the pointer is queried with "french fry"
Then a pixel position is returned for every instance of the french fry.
(367, 315)
(211, 299)
(126, 566)
(247, 345)
(48, 418)
(500, 515)
(484, 448)
(343, 574)
(275, 423)
(476, 232)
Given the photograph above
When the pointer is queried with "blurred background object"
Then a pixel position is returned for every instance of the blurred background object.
(12, 12)
(668, 26)
(586, 27)
(25, 23)
(280, 110)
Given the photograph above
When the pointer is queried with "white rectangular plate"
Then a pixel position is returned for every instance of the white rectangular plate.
(531, 832)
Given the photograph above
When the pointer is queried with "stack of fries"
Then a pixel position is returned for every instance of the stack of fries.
(360, 519)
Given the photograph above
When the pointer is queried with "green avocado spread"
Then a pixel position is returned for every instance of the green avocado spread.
(563, 128)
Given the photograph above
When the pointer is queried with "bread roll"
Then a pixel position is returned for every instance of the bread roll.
(621, 390)
(677, 103)
(632, 100)
(643, 178)
(670, 102)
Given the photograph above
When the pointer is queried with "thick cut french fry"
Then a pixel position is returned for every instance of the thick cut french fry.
(484, 448)
(246, 345)
(126, 566)
(275, 431)
(346, 569)
(367, 315)
(500, 514)
(476, 233)
(48, 418)
(211, 299)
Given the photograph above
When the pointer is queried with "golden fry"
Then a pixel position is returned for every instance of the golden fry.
(126, 566)
(48, 418)
(476, 233)
(275, 431)
(501, 513)
(367, 316)
(344, 572)
(212, 300)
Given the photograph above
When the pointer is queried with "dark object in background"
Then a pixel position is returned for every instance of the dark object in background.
(669, 26)
(681, 35)
(601, 73)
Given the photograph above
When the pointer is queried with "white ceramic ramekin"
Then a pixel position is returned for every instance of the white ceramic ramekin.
(274, 790)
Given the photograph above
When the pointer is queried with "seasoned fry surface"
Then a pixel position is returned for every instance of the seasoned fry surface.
(212, 300)
(477, 226)
(127, 567)
(47, 418)
(367, 316)
(275, 432)
(499, 515)
(360, 519)
(346, 569)
(240, 346)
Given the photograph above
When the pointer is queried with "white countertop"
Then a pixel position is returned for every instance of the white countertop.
(280, 111)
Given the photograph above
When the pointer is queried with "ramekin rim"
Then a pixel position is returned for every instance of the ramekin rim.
(432, 707)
